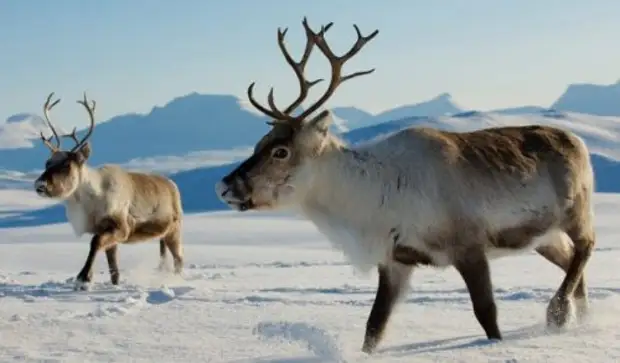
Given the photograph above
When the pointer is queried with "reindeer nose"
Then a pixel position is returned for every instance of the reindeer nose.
(40, 186)
(221, 189)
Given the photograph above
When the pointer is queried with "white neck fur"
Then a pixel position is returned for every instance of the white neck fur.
(89, 185)
(348, 199)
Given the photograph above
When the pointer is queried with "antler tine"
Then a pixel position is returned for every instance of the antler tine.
(280, 116)
(261, 108)
(47, 106)
(47, 142)
(337, 63)
(90, 108)
(73, 135)
(274, 112)
(299, 67)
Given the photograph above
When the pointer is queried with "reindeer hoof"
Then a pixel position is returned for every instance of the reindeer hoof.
(559, 312)
(81, 285)
(367, 350)
(115, 277)
(370, 344)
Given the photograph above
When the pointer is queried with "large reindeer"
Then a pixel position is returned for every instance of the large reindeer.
(422, 196)
(115, 205)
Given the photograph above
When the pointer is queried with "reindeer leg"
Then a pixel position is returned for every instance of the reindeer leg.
(112, 256)
(162, 255)
(560, 252)
(173, 241)
(474, 269)
(559, 308)
(110, 231)
(85, 275)
(393, 279)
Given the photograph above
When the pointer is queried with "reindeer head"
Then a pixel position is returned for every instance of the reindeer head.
(269, 178)
(64, 169)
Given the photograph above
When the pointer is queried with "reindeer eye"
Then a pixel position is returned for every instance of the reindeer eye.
(279, 153)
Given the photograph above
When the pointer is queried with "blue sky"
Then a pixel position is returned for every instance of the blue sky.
(132, 55)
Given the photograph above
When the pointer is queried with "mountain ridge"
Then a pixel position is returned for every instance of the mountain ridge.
(196, 122)
(600, 133)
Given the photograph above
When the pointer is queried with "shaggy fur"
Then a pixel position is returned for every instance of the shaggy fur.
(431, 197)
(423, 196)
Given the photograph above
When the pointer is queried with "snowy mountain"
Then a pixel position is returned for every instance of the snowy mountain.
(353, 116)
(196, 122)
(603, 100)
(600, 100)
(22, 131)
(602, 134)
(441, 105)
(187, 124)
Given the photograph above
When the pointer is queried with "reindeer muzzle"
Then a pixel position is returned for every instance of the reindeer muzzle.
(233, 193)
(40, 186)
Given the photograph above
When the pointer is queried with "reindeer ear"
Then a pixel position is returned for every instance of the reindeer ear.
(322, 121)
(83, 153)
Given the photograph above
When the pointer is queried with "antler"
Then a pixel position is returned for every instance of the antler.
(337, 79)
(73, 135)
(337, 62)
(90, 108)
(47, 106)
(298, 68)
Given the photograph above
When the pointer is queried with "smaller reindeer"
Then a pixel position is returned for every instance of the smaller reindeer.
(115, 205)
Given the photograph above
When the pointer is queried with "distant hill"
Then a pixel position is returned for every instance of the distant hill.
(198, 122)
(602, 134)
(353, 116)
(441, 105)
(602, 100)
(191, 123)
(21, 131)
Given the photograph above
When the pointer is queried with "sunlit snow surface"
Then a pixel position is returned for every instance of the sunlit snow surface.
(268, 288)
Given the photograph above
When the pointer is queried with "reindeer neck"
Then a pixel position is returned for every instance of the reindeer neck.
(343, 183)
(346, 201)
(89, 186)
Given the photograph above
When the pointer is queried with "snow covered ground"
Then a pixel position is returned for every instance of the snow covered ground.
(268, 288)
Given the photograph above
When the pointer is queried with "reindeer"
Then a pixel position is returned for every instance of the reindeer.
(424, 197)
(114, 205)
